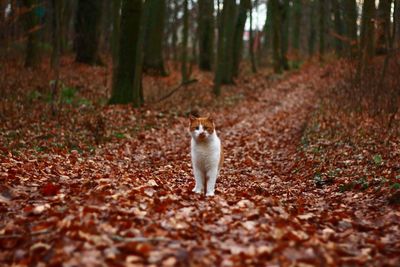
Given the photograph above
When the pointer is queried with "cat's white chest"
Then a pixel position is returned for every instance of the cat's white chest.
(206, 155)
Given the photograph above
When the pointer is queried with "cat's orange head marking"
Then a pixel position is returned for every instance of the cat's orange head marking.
(201, 127)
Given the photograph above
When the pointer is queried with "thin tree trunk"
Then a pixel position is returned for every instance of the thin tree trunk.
(322, 22)
(229, 35)
(67, 18)
(124, 74)
(383, 29)
(116, 12)
(55, 57)
(32, 29)
(350, 18)
(313, 30)
(137, 81)
(296, 23)
(244, 7)
(228, 28)
(367, 30)
(57, 6)
(338, 27)
(175, 33)
(367, 37)
(185, 36)
(396, 23)
(276, 35)
(87, 30)
(223, 72)
(3, 5)
(267, 44)
(285, 15)
(220, 53)
(153, 50)
(206, 34)
(251, 44)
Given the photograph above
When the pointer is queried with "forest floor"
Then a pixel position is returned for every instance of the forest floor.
(302, 183)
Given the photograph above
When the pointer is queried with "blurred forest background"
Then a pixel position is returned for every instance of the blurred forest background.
(229, 37)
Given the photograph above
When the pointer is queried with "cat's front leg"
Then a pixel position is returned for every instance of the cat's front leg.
(198, 175)
(212, 179)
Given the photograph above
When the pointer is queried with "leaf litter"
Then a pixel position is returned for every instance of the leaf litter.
(125, 198)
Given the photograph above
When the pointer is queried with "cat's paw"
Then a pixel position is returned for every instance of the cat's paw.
(197, 190)
(209, 194)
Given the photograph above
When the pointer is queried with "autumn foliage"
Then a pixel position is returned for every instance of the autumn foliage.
(305, 181)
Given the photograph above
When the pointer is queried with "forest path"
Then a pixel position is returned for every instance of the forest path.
(248, 221)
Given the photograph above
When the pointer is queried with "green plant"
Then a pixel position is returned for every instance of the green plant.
(34, 95)
(395, 186)
(377, 159)
(362, 183)
(119, 135)
(346, 187)
(68, 94)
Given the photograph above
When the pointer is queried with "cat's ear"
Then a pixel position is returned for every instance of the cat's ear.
(210, 118)
(192, 118)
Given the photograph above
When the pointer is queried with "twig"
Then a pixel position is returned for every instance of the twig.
(44, 232)
(139, 239)
(10, 236)
(183, 84)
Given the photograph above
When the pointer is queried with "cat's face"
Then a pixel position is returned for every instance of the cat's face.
(201, 128)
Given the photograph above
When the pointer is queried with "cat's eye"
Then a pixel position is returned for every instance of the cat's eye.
(197, 128)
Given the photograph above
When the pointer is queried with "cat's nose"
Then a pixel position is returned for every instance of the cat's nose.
(202, 135)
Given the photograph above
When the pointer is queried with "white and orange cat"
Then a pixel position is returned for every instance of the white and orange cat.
(206, 152)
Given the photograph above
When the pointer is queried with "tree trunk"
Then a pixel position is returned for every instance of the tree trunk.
(367, 31)
(350, 18)
(322, 22)
(276, 10)
(296, 23)
(153, 50)
(338, 35)
(229, 35)
(206, 34)
(313, 30)
(285, 16)
(396, 23)
(228, 31)
(124, 74)
(32, 29)
(244, 7)
(185, 36)
(87, 30)
(220, 53)
(224, 74)
(267, 44)
(3, 34)
(57, 6)
(137, 82)
(66, 18)
(175, 32)
(383, 29)
(116, 12)
(251, 44)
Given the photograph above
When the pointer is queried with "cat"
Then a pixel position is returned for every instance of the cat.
(206, 153)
